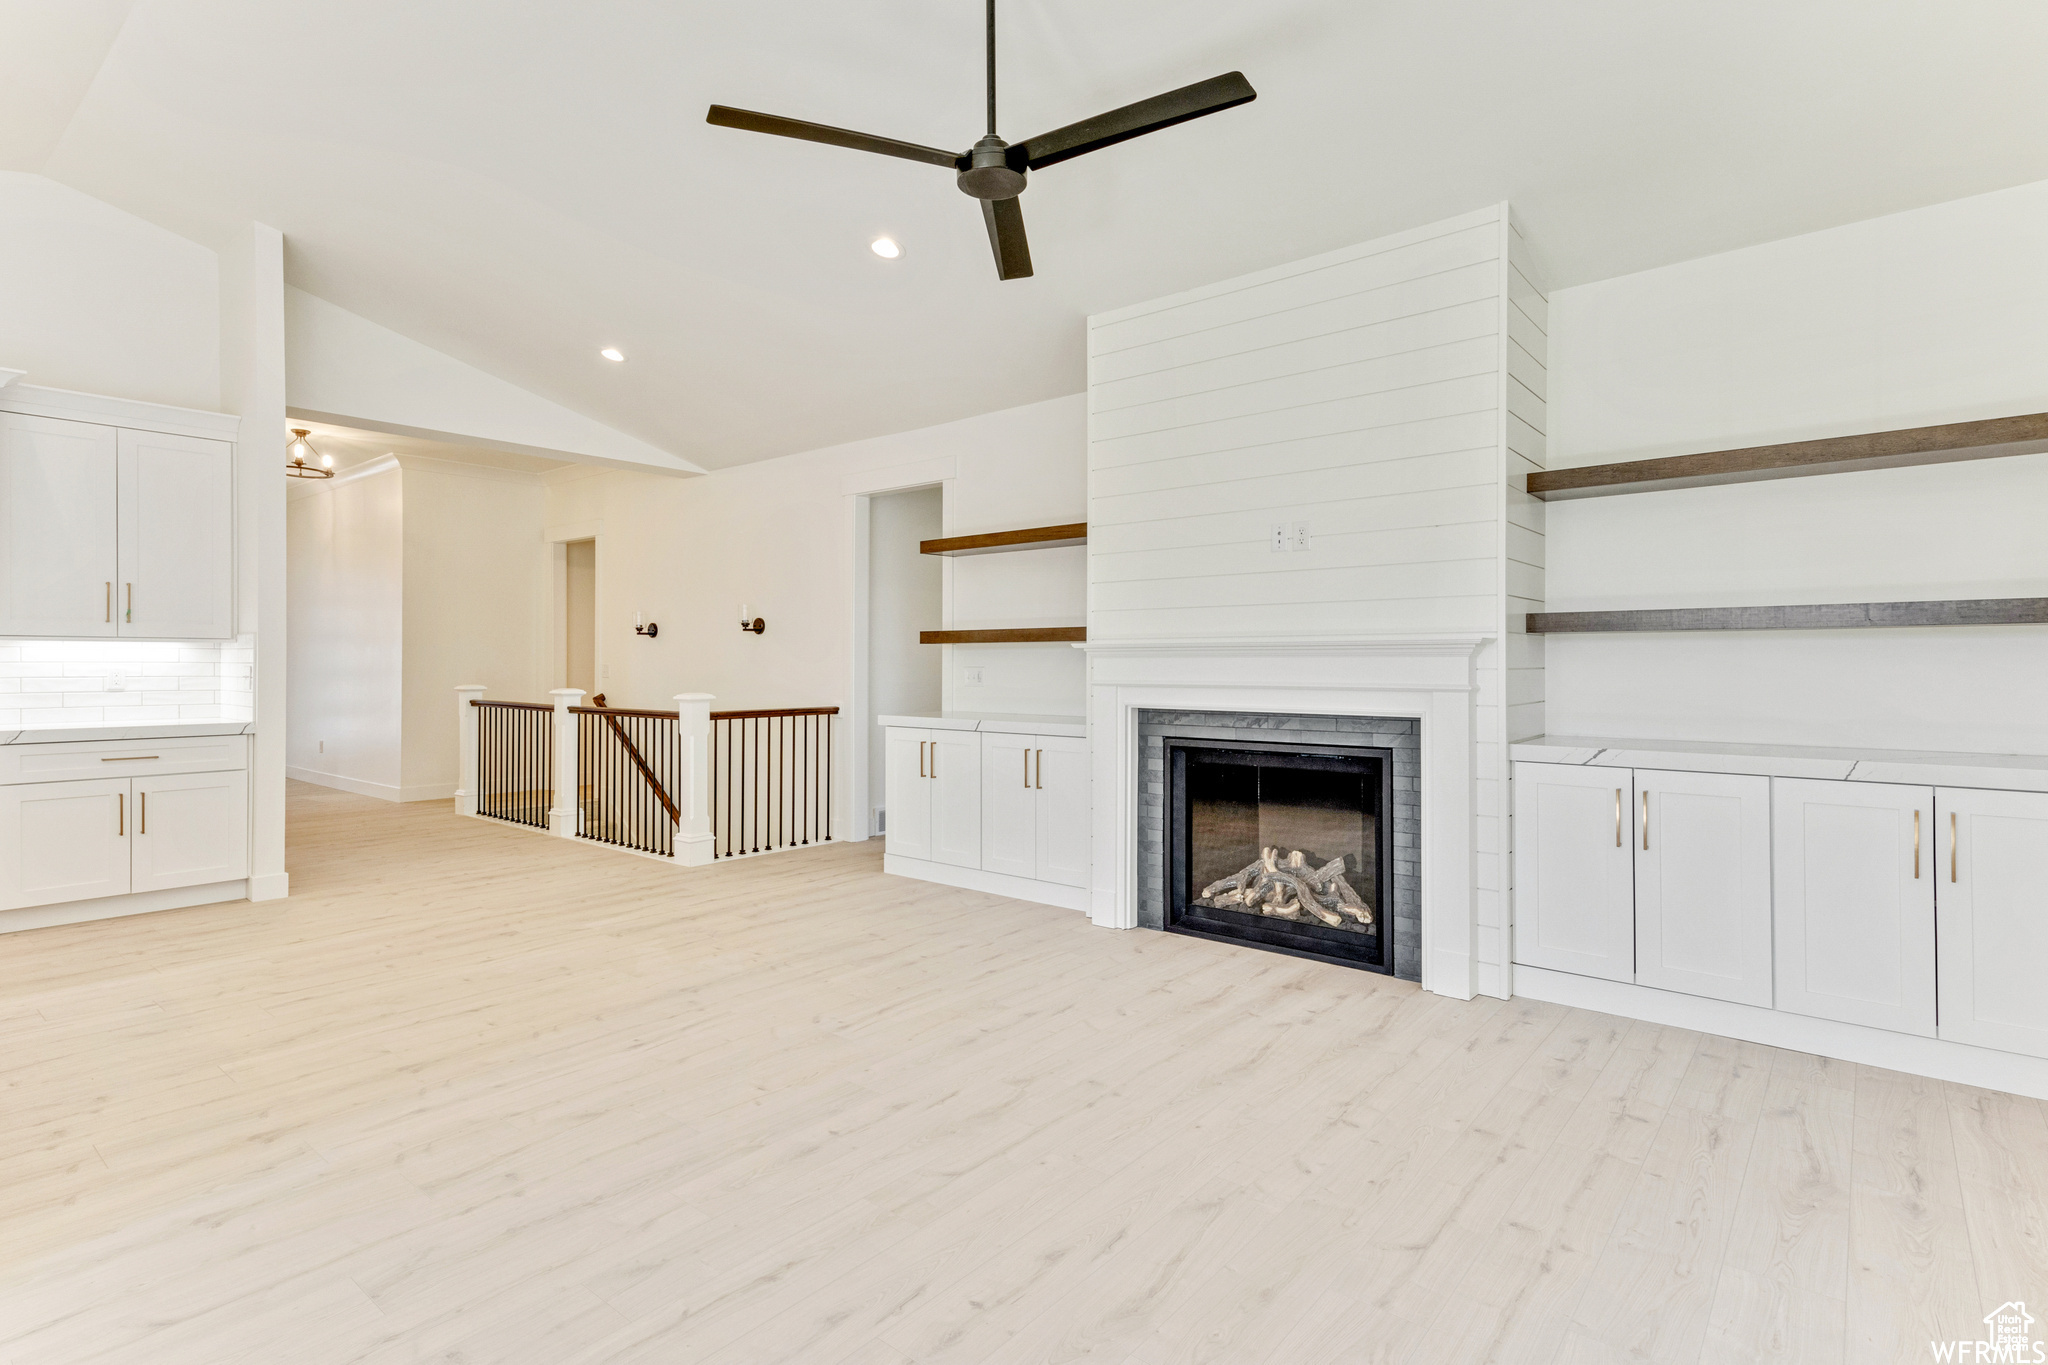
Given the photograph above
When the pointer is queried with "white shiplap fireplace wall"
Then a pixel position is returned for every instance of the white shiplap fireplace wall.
(1389, 398)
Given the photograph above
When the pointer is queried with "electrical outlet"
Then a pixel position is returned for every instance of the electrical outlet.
(1282, 538)
(971, 676)
(117, 683)
(323, 746)
(1301, 535)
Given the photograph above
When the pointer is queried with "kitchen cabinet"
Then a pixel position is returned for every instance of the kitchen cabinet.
(1035, 807)
(175, 513)
(933, 787)
(1703, 884)
(1574, 871)
(58, 543)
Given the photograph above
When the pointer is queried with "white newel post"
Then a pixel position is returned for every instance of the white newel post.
(695, 845)
(562, 814)
(466, 721)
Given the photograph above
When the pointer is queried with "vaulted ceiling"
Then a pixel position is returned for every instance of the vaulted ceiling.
(520, 182)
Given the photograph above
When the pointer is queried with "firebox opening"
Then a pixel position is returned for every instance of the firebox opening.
(1283, 848)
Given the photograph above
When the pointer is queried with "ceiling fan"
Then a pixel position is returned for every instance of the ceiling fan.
(993, 170)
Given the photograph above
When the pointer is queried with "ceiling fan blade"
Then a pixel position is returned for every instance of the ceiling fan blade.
(1133, 120)
(833, 137)
(1005, 219)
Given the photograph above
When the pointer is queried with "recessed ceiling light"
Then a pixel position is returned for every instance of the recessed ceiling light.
(886, 248)
(612, 353)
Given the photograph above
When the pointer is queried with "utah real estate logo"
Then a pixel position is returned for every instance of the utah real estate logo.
(2008, 1336)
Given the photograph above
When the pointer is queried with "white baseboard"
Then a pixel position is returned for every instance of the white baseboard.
(428, 791)
(996, 883)
(270, 886)
(112, 907)
(1963, 1063)
(383, 791)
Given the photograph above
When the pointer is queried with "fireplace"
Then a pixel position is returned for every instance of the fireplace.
(1284, 846)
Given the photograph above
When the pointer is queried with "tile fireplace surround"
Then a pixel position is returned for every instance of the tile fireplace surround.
(1428, 678)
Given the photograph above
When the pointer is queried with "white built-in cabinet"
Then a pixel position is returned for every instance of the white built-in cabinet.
(989, 809)
(1703, 884)
(1990, 871)
(88, 835)
(1854, 883)
(933, 786)
(1574, 870)
(1915, 909)
(1656, 878)
(110, 532)
(1034, 807)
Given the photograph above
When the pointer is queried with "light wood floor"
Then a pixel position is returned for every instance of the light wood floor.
(474, 1095)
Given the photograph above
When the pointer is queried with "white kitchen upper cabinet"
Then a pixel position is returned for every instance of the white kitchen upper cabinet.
(908, 793)
(1703, 884)
(58, 543)
(177, 558)
(1009, 806)
(190, 829)
(1574, 871)
(1991, 888)
(1853, 879)
(955, 766)
(64, 841)
(1061, 780)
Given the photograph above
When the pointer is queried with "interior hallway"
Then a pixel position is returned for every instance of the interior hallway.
(474, 1094)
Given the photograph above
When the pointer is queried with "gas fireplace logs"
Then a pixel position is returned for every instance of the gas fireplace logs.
(1288, 889)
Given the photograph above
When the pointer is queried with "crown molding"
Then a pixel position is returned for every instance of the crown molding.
(35, 401)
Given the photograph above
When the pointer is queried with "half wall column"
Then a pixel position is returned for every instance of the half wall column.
(694, 843)
(466, 722)
(562, 814)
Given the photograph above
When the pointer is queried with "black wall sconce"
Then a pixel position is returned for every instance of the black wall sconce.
(650, 630)
(757, 625)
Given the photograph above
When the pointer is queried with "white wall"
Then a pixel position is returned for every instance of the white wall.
(905, 595)
(1936, 315)
(346, 549)
(97, 300)
(476, 604)
(778, 536)
(409, 578)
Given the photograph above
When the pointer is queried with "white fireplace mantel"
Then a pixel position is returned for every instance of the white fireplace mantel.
(1427, 677)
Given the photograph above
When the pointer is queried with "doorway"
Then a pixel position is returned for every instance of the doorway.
(579, 616)
(905, 595)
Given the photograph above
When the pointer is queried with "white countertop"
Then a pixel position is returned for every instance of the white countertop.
(991, 723)
(2001, 772)
(122, 729)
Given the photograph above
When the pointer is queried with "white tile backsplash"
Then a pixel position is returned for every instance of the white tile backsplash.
(72, 682)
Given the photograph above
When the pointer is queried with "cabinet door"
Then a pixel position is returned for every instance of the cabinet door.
(57, 543)
(908, 793)
(1703, 884)
(1574, 873)
(1990, 871)
(956, 797)
(63, 841)
(191, 829)
(1062, 782)
(1853, 879)
(177, 506)
(1009, 806)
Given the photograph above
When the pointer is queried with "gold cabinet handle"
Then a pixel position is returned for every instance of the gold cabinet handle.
(1041, 769)
(145, 814)
(110, 602)
(1916, 845)
(1617, 817)
(1027, 767)
(935, 759)
(120, 813)
(920, 758)
(1951, 846)
(131, 758)
(1646, 822)
(128, 616)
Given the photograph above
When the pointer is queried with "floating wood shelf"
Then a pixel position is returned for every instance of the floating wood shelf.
(1981, 611)
(1985, 440)
(1002, 542)
(1030, 635)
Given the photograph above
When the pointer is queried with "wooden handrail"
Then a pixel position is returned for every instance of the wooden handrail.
(795, 711)
(513, 705)
(633, 752)
(622, 711)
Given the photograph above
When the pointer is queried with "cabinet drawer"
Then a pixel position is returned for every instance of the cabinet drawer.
(73, 761)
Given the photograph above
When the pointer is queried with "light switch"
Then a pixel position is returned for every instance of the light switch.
(971, 676)
(1282, 538)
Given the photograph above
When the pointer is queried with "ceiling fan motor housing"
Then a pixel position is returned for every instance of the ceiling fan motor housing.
(987, 174)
